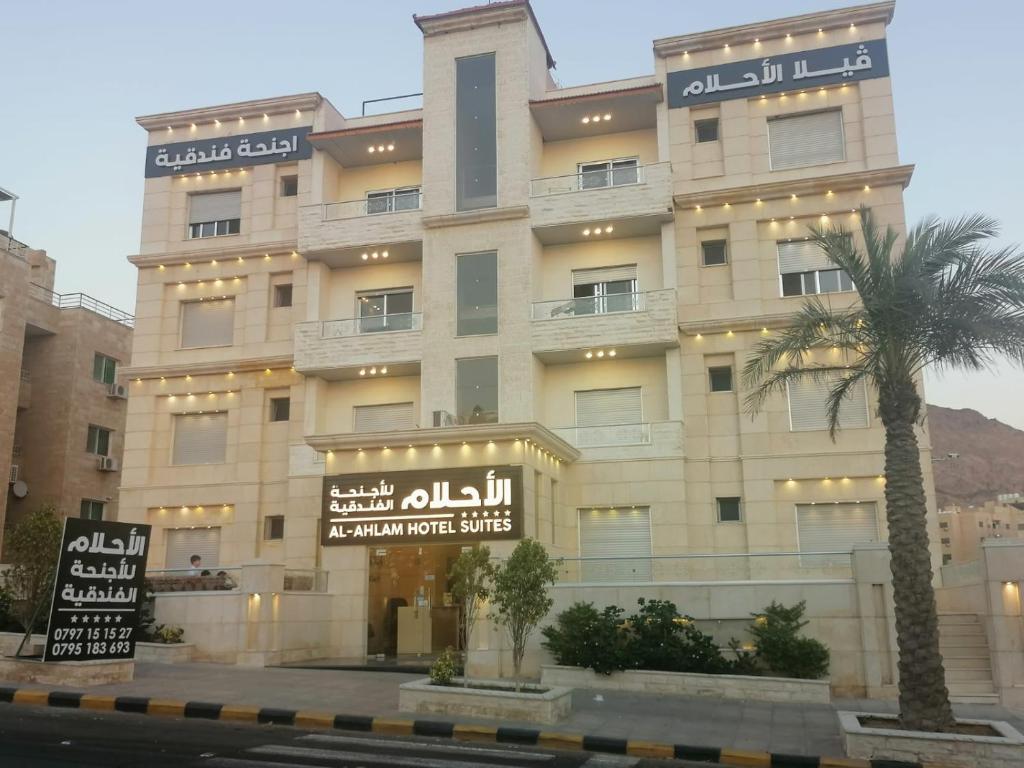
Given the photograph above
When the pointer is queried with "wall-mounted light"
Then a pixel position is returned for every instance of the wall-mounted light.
(591, 354)
(605, 230)
(596, 118)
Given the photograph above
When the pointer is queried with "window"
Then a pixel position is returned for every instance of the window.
(728, 509)
(808, 409)
(212, 214)
(391, 200)
(200, 438)
(805, 269)
(283, 295)
(289, 186)
(385, 310)
(714, 252)
(706, 130)
(608, 173)
(609, 417)
(624, 536)
(945, 541)
(947, 559)
(720, 378)
(476, 133)
(387, 417)
(104, 368)
(273, 527)
(606, 289)
(207, 323)
(280, 408)
(944, 526)
(477, 292)
(1020, 526)
(98, 441)
(808, 139)
(91, 510)
(833, 528)
(476, 390)
(981, 524)
(183, 543)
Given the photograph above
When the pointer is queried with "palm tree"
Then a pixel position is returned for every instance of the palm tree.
(943, 300)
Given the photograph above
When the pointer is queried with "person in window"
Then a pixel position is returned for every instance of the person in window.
(197, 565)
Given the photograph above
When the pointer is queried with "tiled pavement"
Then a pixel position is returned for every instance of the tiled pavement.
(810, 729)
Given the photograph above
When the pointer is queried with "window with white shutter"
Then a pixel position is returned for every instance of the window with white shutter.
(808, 405)
(214, 213)
(605, 289)
(200, 438)
(183, 543)
(383, 418)
(834, 528)
(624, 536)
(207, 323)
(810, 139)
(609, 417)
(805, 269)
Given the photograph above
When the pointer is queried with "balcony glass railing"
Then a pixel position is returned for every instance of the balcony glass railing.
(372, 206)
(299, 580)
(606, 435)
(589, 305)
(213, 579)
(356, 326)
(586, 180)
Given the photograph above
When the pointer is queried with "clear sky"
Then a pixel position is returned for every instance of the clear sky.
(75, 74)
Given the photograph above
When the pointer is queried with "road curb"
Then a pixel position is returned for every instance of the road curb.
(238, 713)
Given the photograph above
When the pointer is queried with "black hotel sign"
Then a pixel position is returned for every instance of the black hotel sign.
(423, 506)
(226, 152)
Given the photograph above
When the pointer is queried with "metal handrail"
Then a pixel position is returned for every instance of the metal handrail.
(583, 306)
(358, 326)
(574, 182)
(361, 207)
(81, 301)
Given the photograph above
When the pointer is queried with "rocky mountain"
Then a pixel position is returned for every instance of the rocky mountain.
(990, 461)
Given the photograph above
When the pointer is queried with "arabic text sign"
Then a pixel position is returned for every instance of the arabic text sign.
(423, 506)
(774, 74)
(225, 152)
(98, 592)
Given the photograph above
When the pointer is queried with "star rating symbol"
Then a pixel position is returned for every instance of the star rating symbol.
(508, 513)
(117, 619)
(487, 514)
(85, 619)
(96, 619)
(474, 514)
(106, 619)
(74, 619)
(464, 515)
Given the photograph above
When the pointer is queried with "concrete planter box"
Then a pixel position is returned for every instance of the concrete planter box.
(947, 749)
(66, 672)
(421, 697)
(164, 653)
(9, 642)
(691, 684)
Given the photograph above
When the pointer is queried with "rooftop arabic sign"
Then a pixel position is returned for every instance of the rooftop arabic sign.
(775, 74)
(226, 152)
(423, 506)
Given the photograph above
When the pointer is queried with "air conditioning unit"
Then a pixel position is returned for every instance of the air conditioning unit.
(108, 464)
(118, 390)
(14, 474)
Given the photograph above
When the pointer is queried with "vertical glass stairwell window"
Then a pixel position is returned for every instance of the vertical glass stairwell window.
(476, 136)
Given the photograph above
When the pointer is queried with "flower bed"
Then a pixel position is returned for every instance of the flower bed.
(495, 699)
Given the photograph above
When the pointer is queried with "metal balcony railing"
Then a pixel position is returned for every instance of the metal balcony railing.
(80, 301)
(357, 326)
(587, 180)
(399, 202)
(606, 435)
(589, 305)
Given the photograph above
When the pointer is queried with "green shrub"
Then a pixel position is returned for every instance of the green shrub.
(583, 636)
(782, 650)
(445, 668)
(662, 639)
(745, 662)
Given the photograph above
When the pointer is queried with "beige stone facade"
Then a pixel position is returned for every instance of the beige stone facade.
(52, 406)
(962, 530)
(692, 448)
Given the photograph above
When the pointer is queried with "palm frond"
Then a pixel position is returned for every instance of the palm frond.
(838, 393)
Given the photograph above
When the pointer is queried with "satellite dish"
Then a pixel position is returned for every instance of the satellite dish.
(20, 489)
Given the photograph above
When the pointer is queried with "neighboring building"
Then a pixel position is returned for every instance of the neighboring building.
(963, 529)
(62, 418)
(565, 282)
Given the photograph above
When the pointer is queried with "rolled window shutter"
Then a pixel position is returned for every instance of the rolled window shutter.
(200, 438)
(208, 323)
(802, 256)
(182, 543)
(801, 140)
(834, 528)
(383, 418)
(603, 274)
(808, 405)
(215, 206)
(623, 534)
(601, 407)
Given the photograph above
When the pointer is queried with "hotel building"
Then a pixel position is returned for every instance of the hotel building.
(556, 285)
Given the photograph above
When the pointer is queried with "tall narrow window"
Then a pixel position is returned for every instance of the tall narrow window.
(477, 306)
(476, 385)
(476, 137)
(98, 441)
(104, 368)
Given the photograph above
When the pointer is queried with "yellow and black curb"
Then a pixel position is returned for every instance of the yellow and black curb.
(436, 728)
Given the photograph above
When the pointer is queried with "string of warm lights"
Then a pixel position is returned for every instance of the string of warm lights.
(521, 443)
(187, 377)
(756, 43)
(215, 263)
(217, 123)
(793, 198)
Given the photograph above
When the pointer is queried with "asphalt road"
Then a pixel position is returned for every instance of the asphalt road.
(45, 737)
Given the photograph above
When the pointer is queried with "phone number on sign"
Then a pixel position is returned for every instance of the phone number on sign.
(93, 649)
(65, 634)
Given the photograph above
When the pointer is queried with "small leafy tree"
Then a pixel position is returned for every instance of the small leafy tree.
(33, 547)
(521, 595)
(780, 646)
(583, 636)
(470, 579)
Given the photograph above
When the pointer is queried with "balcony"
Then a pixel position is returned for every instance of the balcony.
(634, 323)
(328, 347)
(663, 439)
(637, 200)
(336, 232)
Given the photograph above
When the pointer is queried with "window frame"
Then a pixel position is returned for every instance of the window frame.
(704, 254)
(817, 283)
(274, 405)
(285, 185)
(805, 113)
(703, 121)
(497, 387)
(391, 195)
(278, 290)
(174, 438)
(268, 527)
(92, 445)
(609, 170)
(91, 502)
(718, 509)
(233, 298)
(497, 294)
(96, 358)
(383, 293)
(732, 382)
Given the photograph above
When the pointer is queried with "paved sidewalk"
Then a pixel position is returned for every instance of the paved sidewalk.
(808, 729)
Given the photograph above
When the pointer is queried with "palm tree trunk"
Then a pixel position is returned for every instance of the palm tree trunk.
(924, 699)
